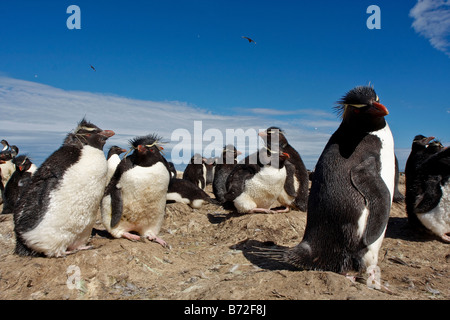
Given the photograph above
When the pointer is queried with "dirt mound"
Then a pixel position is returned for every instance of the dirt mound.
(211, 257)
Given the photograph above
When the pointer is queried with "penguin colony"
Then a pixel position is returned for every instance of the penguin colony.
(353, 186)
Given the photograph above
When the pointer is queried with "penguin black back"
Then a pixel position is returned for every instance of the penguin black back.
(223, 168)
(351, 192)
(195, 171)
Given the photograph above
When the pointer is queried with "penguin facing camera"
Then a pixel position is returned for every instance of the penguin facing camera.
(296, 188)
(255, 188)
(56, 211)
(135, 198)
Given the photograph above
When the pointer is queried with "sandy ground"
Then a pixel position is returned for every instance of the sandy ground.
(211, 257)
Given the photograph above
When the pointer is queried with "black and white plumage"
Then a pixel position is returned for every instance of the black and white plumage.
(255, 188)
(427, 174)
(195, 171)
(113, 158)
(296, 188)
(184, 191)
(57, 210)
(18, 181)
(210, 167)
(351, 192)
(7, 156)
(224, 166)
(135, 198)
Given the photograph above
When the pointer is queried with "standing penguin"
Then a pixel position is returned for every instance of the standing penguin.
(296, 188)
(7, 168)
(113, 160)
(195, 171)
(428, 187)
(16, 184)
(56, 212)
(135, 198)
(255, 188)
(351, 192)
(223, 168)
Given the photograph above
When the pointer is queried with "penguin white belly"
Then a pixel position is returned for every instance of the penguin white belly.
(113, 162)
(438, 219)
(387, 172)
(6, 170)
(73, 205)
(144, 191)
(262, 190)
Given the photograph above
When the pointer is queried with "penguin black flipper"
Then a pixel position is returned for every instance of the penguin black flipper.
(289, 185)
(46, 178)
(113, 190)
(366, 179)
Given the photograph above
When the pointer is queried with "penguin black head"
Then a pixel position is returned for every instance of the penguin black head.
(147, 150)
(5, 145)
(361, 107)
(421, 142)
(87, 133)
(274, 135)
(23, 163)
(115, 150)
(229, 154)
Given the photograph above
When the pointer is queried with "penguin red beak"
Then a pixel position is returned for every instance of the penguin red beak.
(285, 155)
(238, 153)
(379, 110)
(124, 150)
(107, 133)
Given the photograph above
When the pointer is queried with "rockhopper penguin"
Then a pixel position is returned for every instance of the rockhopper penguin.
(195, 171)
(351, 192)
(224, 165)
(255, 188)
(296, 188)
(113, 159)
(428, 187)
(56, 212)
(135, 198)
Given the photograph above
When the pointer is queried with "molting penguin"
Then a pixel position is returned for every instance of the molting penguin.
(195, 171)
(113, 160)
(18, 181)
(56, 212)
(224, 166)
(255, 188)
(135, 198)
(184, 191)
(351, 192)
(428, 188)
(296, 188)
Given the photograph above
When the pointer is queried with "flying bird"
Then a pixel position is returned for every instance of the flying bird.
(92, 67)
(249, 40)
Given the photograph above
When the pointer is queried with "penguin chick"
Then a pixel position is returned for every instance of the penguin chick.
(224, 167)
(195, 171)
(254, 188)
(296, 188)
(19, 179)
(56, 212)
(184, 191)
(135, 198)
(113, 159)
(351, 192)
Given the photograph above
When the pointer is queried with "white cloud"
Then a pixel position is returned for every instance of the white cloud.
(36, 117)
(432, 20)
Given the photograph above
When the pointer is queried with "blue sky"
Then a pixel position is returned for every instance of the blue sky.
(161, 65)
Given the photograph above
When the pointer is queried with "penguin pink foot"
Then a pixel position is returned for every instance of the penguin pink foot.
(80, 248)
(261, 210)
(158, 240)
(131, 236)
(285, 210)
(445, 237)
